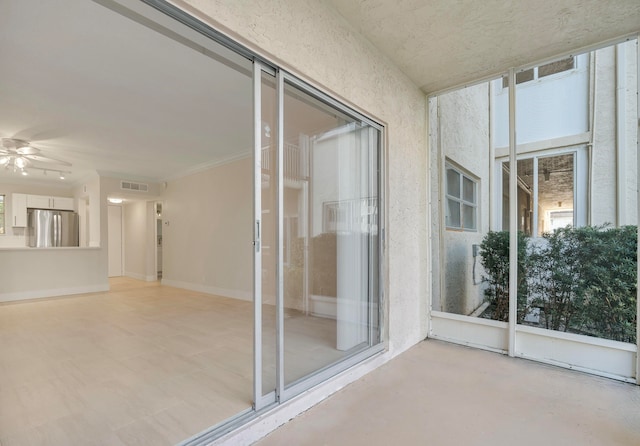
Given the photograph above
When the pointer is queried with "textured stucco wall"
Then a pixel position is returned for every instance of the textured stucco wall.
(603, 201)
(464, 140)
(313, 41)
(605, 170)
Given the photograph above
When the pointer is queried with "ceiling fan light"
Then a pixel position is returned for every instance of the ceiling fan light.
(25, 173)
(4, 160)
(61, 176)
(21, 162)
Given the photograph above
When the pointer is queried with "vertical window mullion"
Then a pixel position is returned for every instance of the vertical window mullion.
(513, 215)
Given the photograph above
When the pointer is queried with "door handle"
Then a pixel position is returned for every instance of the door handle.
(256, 241)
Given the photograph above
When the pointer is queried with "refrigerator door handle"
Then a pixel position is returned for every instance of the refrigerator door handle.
(56, 229)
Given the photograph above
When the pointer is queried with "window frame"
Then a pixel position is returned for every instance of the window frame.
(3, 214)
(581, 174)
(535, 76)
(463, 174)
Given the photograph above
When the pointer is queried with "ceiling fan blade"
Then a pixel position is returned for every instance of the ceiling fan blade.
(46, 159)
(28, 150)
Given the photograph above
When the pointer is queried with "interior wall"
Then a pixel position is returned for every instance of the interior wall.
(27, 273)
(207, 233)
(137, 249)
(312, 40)
(89, 191)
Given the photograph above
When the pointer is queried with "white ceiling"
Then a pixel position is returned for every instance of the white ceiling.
(444, 43)
(86, 85)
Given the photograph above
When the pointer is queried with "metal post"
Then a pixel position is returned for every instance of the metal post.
(513, 215)
(257, 253)
(279, 238)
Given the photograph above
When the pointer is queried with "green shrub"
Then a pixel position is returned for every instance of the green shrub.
(494, 258)
(582, 280)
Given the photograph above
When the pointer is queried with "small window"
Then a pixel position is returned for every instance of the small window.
(556, 67)
(2, 214)
(461, 200)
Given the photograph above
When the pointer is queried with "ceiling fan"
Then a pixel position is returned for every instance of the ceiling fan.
(18, 155)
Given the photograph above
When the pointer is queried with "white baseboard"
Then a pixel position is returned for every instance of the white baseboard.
(39, 294)
(224, 292)
(150, 278)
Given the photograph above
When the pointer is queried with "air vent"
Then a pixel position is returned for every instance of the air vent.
(138, 187)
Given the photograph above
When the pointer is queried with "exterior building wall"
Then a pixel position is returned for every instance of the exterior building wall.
(464, 141)
(603, 174)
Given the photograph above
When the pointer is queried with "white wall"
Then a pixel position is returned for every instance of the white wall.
(139, 246)
(547, 108)
(208, 231)
(312, 40)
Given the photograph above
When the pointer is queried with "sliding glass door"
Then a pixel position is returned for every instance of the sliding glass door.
(330, 235)
(317, 241)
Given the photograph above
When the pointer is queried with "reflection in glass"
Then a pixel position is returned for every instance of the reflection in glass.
(268, 189)
(330, 235)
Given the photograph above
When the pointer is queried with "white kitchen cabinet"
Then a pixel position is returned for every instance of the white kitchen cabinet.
(38, 201)
(46, 202)
(19, 210)
(62, 203)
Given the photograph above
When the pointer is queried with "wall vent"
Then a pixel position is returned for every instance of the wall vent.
(130, 185)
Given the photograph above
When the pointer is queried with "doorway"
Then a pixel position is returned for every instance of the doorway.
(115, 240)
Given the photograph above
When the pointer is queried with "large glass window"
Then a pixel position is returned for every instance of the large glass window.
(552, 191)
(461, 154)
(579, 245)
(564, 189)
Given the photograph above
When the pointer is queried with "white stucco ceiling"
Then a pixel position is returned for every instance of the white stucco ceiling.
(444, 43)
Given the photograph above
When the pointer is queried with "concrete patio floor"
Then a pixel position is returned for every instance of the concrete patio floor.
(443, 394)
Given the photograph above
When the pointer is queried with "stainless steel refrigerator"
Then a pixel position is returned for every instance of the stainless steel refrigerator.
(47, 228)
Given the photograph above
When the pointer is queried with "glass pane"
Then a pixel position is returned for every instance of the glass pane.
(494, 256)
(269, 216)
(556, 67)
(331, 193)
(552, 107)
(453, 214)
(453, 183)
(555, 193)
(580, 270)
(461, 125)
(468, 190)
(469, 217)
(504, 196)
(525, 196)
(524, 76)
